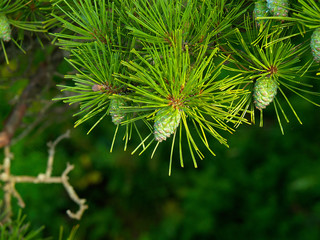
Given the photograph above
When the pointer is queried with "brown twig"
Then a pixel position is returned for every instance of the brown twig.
(37, 81)
(41, 115)
(12, 124)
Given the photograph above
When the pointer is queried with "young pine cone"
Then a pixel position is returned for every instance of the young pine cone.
(264, 91)
(315, 44)
(5, 30)
(166, 122)
(260, 10)
(278, 7)
(116, 112)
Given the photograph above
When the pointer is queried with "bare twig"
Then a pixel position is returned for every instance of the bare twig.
(52, 146)
(73, 195)
(8, 185)
(10, 181)
(18, 197)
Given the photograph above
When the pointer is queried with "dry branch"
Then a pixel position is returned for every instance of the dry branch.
(10, 180)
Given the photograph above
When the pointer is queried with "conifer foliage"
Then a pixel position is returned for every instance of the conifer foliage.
(180, 73)
(24, 17)
(185, 71)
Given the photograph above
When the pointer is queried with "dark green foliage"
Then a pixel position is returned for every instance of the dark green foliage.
(18, 229)
(239, 192)
(24, 17)
(308, 13)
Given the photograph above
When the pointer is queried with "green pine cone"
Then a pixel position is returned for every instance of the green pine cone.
(278, 7)
(260, 10)
(264, 91)
(315, 44)
(5, 30)
(115, 111)
(166, 122)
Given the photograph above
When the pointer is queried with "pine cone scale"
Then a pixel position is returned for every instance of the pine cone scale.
(265, 90)
(5, 30)
(166, 122)
(315, 45)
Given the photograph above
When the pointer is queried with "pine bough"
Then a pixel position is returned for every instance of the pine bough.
(183, 69)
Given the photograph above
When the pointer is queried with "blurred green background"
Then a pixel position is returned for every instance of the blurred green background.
(265, 186)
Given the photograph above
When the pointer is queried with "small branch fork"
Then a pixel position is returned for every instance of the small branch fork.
(10, 181)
